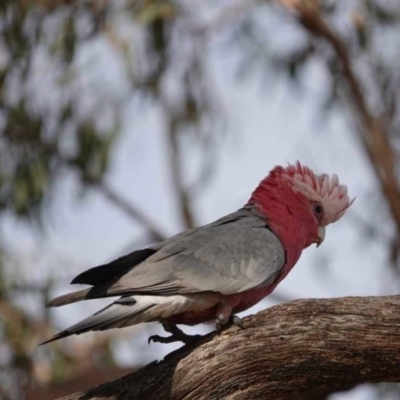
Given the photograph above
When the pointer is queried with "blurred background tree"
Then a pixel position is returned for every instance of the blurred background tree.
(125, 107)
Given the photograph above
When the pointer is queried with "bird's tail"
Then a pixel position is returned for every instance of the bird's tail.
(68, 298)
(129, 311)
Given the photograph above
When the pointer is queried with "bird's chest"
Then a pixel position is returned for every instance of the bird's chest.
(251, 297)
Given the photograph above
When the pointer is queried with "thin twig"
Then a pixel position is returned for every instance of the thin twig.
(129, 209)
(177, 172)
(102, 187)
(174, 119)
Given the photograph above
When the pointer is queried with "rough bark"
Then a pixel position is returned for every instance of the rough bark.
(288, 349)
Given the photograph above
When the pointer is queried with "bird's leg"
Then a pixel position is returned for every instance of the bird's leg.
(177, 335)
(224, 312)
(224, 317)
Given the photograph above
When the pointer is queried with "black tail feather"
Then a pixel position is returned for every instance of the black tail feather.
(112, 271)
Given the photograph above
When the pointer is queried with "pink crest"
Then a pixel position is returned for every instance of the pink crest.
(323, 188)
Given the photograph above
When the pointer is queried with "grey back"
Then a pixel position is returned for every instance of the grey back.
(234, 254)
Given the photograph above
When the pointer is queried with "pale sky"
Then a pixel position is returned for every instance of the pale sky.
(268, 125)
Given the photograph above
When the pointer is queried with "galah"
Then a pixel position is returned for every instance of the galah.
(217, 270)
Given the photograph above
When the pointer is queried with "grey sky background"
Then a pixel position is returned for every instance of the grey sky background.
(266, 124)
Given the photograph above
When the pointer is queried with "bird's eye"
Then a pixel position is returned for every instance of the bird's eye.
(318, 209)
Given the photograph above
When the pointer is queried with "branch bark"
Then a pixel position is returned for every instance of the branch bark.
(288, 349)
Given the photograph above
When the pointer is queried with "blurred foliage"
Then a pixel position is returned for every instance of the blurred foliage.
(52, 120)
(34, 136)
(369, 30)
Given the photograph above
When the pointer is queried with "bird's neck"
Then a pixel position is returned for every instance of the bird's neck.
(288, 216)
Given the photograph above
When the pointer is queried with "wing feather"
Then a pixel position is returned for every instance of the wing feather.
(225, 258)
(234, 254)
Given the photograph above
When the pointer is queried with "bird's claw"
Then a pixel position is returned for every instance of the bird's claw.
(187, 339)
(235, 320)
(238, 322)
(162, 339)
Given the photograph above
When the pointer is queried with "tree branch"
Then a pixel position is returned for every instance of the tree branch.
(287, 349)
(373, 135)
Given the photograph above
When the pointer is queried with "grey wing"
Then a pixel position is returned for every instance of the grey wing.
(234, 254)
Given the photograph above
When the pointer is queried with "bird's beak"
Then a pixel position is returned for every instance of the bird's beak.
(321, 235)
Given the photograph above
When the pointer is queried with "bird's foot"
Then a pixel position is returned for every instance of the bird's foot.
(177, 336)
(238, 322)
(234, 319)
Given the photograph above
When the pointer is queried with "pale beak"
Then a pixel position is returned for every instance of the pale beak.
(321, 235)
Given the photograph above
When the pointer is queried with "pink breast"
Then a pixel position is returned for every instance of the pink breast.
(239, 301)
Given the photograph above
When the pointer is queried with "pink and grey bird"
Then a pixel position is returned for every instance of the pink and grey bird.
(215, 271)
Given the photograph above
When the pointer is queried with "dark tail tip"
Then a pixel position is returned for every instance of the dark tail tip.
(60, 335)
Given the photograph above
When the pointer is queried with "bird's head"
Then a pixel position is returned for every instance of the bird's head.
(302, 200)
